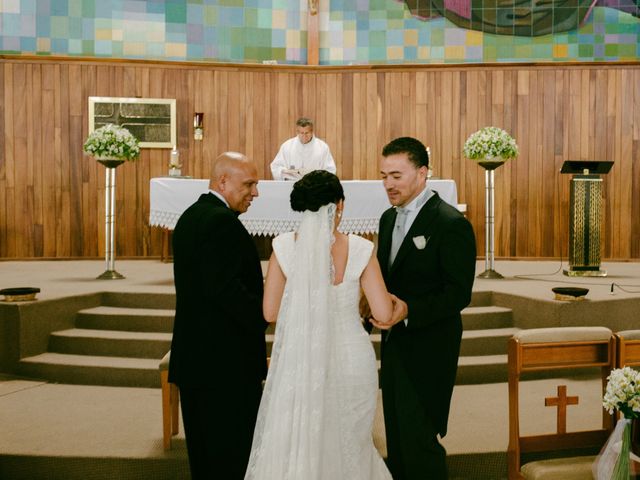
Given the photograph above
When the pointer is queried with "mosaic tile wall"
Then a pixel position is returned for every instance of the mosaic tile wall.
(351, 31)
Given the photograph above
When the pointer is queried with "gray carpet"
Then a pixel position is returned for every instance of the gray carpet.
(53, 431)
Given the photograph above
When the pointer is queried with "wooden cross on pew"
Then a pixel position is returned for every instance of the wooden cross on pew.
(561, 401)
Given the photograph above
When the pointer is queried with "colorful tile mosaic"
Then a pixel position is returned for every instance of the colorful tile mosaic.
(351, 31)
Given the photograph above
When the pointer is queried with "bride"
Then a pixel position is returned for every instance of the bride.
(316, 416)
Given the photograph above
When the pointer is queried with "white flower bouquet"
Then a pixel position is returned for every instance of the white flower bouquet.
(112, 142)
(622, 394)
(489, 144)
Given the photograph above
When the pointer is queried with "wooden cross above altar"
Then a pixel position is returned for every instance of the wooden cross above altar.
(313, 33)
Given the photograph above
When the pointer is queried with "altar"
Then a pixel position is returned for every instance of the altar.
(270, 213)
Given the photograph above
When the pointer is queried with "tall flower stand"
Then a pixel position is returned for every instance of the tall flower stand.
(110, 219)
(489, 219)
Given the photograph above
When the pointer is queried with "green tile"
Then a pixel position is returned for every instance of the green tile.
(87, 47)
(437, 37)
(611, 50)
(116, 49)
(523, 51)
(395, 14)
(210, 15)
(585, 50)
(75, 8)
(489, 54)
(59, 27)
(88, 9)
(237, 52)
(586, 29)
(175, 12)
(75, 27)
(237, 36)
(264, 18)
(258, 36)
(542, 52)
(279, 54)
(381, 5)
(377, 39)
(626, 50)
(250, 17)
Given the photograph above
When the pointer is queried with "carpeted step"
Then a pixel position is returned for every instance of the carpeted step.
(126, 319)
(481, 299)
(481, 369)
(92, 370)
(485, 317)
(139, 300)
(492, 341)
(110, 343)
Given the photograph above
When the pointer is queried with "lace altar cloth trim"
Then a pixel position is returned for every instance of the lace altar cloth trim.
(266, 227)
(276, 227)
(162, 219)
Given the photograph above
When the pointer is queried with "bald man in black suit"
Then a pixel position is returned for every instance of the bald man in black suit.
(218, 353)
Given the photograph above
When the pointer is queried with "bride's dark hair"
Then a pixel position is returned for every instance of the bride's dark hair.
(314, 190)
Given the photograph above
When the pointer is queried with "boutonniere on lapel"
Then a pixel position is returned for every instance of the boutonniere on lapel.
(420, 242)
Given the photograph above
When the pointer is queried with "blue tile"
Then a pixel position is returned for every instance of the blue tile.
(60, 8)
(28, 44)
(59, 45)
(278, 39)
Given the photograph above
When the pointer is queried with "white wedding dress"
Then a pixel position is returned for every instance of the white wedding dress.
(316, 415)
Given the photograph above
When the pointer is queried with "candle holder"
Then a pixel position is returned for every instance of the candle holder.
(198, 127)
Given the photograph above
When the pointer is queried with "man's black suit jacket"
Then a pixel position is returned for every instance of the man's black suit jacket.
(436, 282)
(218, 335)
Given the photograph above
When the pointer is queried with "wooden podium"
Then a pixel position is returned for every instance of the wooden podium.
(585, 217)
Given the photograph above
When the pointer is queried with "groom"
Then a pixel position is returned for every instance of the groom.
(427, 253)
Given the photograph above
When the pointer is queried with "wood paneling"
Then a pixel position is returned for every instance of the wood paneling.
(52, 196)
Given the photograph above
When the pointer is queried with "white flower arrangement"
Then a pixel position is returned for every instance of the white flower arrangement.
(488, 143)
(112, 142)
(623, 392)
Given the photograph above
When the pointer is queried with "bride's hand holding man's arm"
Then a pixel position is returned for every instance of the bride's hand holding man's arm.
(400, 312)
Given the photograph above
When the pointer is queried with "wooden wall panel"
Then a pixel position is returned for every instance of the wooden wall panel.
(52, 196)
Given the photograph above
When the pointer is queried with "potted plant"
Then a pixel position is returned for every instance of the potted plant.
(111, 145)
(491, 147)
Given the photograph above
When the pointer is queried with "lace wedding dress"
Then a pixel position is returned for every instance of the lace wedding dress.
(316, 415)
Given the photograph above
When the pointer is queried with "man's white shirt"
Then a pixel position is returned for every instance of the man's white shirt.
(306, 157)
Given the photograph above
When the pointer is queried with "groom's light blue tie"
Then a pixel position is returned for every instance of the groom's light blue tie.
(398, 233)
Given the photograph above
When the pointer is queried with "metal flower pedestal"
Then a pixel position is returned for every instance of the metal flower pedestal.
(489, 219)
(110, 219)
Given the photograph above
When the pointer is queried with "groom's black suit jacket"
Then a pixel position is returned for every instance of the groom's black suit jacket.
(218, 336)
(436, 283)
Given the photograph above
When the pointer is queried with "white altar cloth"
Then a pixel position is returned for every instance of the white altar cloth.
(271, 214)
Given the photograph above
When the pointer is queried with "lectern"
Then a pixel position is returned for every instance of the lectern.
(585, 216)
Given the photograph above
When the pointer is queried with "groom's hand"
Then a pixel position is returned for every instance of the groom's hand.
(400, 312)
